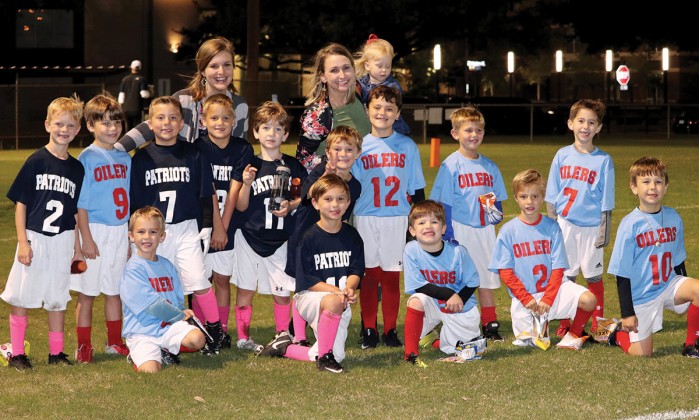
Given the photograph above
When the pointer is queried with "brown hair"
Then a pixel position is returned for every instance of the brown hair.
(219, 99)
(72, 105)
(205, 54)
(528, 177)
(467, 114)
(325, 183)
(318, 92)
(103, 107)
(594, 105)
(268, 112)
(388, 94)
(648, 165)
(147, 212)
(425, 208)
(344, 133)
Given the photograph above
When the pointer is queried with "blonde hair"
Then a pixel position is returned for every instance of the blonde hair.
(271, 112)
(205, 54)
(467, 114)
(425, 208)
(218, 99)
(319, 92)
(147, 212)
(374, 48)
(344, 133)
(72, 105)
(528, 177)
(103, 107)
(648, 165)
(164, 100)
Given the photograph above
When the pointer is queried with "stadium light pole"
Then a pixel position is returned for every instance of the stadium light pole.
(437, 65)
(608, 63)
(559, 69)
(511, 71)
(666, 67)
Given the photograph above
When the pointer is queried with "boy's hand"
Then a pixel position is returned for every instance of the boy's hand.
(188, 313)
(219, 239)
(454, 304)
(249, 174)
(283, 209)
(532, 304)
(629, 324)
(350, 296)
(90, 249)
(25, 253)
(543, 308)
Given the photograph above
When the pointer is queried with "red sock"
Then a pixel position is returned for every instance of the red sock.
(84, 334)
(114, 332)
(207, 302)
(488, 315)
(413, 329)
(597, 289)
(436, 344)
(185, 349)
(579, 322)
(281, 316)
(390, 299)
(623, 340)
(692, 324)
(299, 323)
(369, 296)
(18, 330)
(223, 313)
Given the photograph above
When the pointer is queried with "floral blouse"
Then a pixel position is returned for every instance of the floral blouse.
(316, 123)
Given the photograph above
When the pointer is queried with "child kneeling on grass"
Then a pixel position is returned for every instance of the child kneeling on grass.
(155, 324)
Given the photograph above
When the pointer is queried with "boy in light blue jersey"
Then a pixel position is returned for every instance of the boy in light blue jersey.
(648, 262)
(390, 172)
(155, 324)
(580, 194)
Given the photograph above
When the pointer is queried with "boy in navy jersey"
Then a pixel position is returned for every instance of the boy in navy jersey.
(45, 193)
(261, 241)
(175, 177)
(329, 265)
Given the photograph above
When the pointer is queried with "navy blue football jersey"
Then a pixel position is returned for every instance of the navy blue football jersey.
(171, 178)
(264, 231)
(50, 188)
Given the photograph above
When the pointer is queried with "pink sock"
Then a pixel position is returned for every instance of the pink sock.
(299, 323)
(327, 331)
(297, 352)
(197, 310)
(207, 301)
(55, 342)
(18, 329)
(223, 314)
(281, 316)
(243, 316)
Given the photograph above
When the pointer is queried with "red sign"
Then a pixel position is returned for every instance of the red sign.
(623, 75)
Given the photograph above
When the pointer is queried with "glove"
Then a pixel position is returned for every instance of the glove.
(487, 201)
(205, 237)
(604, 231)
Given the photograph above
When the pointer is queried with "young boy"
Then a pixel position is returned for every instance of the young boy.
(580, 193)
(176, 178)
(441, 278)
(103, 215)
(464, 182)
(261, 242)
(648, 262)
(228, 157)
(390, 173)
(45, 192)
(155, 324)
(343, 146)
(329, 266)
(530, 258)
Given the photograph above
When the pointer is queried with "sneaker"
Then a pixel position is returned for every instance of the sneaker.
(215, 330)
(370, 338)
(328, 363)
(571, 341)
(169, 358)
(83, 354)
(277, 347)
(304, 343)
(413, 359)
(429, 338)
(390, 339)
(119, 348)
(226, 342)
(562, 328)
(249, 344)
(59, 359)
(691, 350)
(490, 331)
(20, 362)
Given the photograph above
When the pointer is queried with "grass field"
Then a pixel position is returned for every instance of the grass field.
(509, 382)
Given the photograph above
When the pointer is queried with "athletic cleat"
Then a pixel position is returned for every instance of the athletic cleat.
(328, 363)
(429, 338)
(83, 354)
(490, 331)
(249, 344)
(119, 348)
(562, 328)
(369, 339)
(215, 330)
(20, 362)
(59, 359)
(276, 347)
(226, 342)
(304, 343)
(390, 339)
(413, 359)
(169, 358)
(571, 341)
(691, 350)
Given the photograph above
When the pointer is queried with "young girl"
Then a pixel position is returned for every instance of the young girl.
(374, 69)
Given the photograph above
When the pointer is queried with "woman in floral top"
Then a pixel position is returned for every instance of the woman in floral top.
(331, 103)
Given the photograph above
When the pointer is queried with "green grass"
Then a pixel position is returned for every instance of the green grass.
(508, 382)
